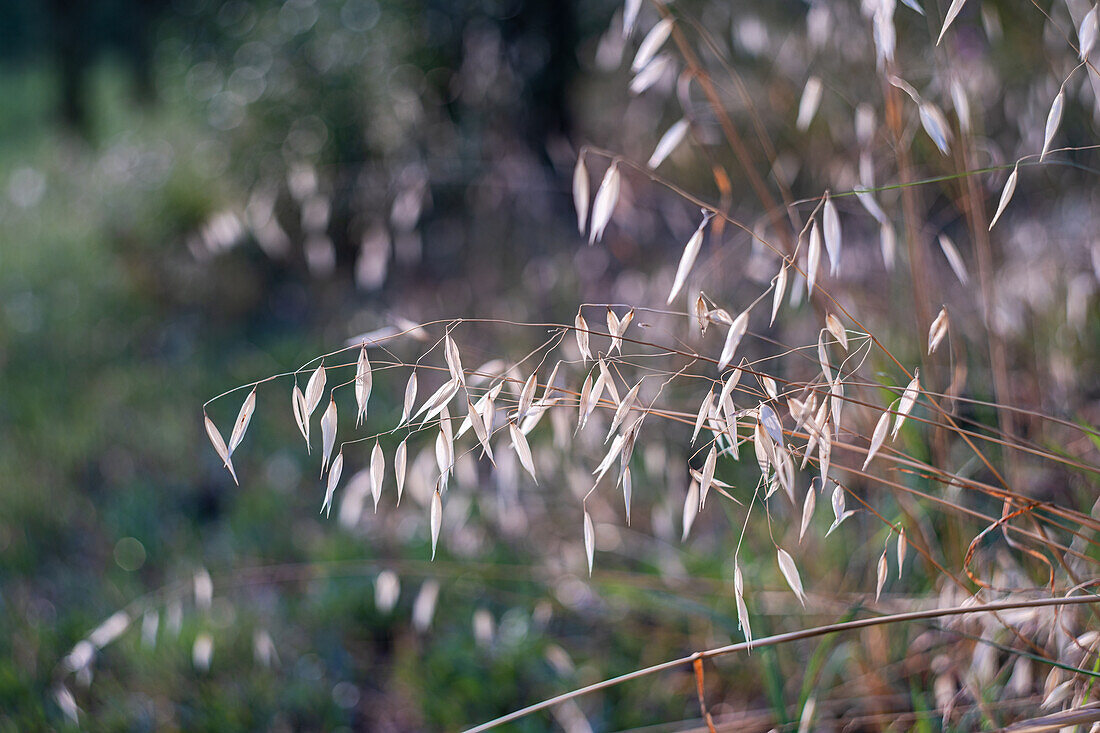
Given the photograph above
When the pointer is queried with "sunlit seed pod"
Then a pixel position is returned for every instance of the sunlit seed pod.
(832, 323)
(730, 386)
(523, 450)
(364, 380)
(606, 382)
(938, 330)
(833, 241)
(808, 506)
(883, 569)
(823, 358)
(244, 417)
(1006, 195)
(952, 12)
(604, 205)
(333, 480)
(652, 43)
(589, 540)
(610, 457)
(779, 290)
(700, 310)
(908, 399)
(584, 401)
(631, 8)
(454, 360)
(110, 629)
(219, 446)
(884, 33)
(720, 316)
(400, 458)
(624, 408)
(962, 105)
(423, 610)
(202, 651)
(708, 475)
(387, 590)
(437, 403)
(580, 193)
(581, 332)
(298, 404)
(315, 388)
(691, 510)
(672, 138)
(790, 574)
(410, 399)
(628, 490)
(687, 261)
(551, 385)
(824, 450)
(742, 609)
(704, 412)
(651, 74)
(1088, 32)
(888, 245)
(865, 125)
(877, 438)
(954, 259)
(436, 519)
(813, 258)
(902, 545)
(263, 649)
(935, 124)
(769, 420)
(836, 401)
(527, 396)
(736, 331)
(808, 104)
(444, 454)
(328, 434)
(1054, 119)
(480, 430)
(377, 473)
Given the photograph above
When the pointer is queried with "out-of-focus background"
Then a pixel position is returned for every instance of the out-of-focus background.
(195, 194)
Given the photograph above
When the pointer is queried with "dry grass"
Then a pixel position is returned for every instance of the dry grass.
(767, 406)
